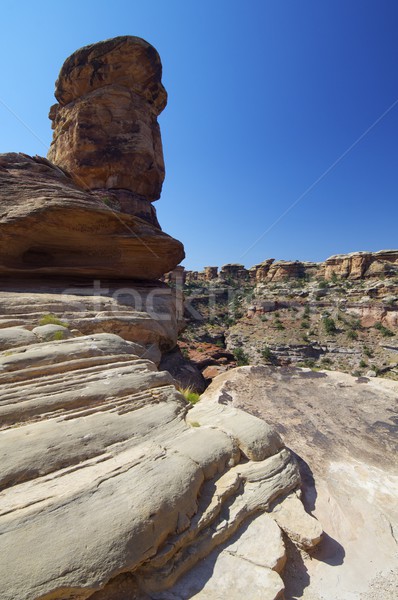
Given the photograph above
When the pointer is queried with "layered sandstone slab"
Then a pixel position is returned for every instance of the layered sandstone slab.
(50, 226)
(344, 431)
(123, 489)
(148, 314)
(106, 133)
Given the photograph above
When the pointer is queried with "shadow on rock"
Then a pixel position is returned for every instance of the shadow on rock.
(295, 575)
(329, 551)
(308, 486)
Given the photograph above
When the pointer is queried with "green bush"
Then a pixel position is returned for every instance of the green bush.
(51, 319)
(384, 330)
(352, 335)
(329, 325)
(58, 335)
(241, 357)
(267, 354)
(189, 395)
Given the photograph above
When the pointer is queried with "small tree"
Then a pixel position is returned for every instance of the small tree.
(267, 354)
(329, 325)
(241, 357)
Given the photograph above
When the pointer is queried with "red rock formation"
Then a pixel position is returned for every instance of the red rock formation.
(50, 226)
(90, 214)
(358, 265)
(106, 133)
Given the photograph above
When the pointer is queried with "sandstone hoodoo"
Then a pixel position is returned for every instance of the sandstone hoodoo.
(89, 211)
(113, 486)
(105, 125)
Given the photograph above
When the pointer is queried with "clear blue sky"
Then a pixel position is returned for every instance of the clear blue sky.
(264, 96)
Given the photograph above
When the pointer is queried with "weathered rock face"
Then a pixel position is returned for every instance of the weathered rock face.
(360, 265)
(121, 477)
(283, 270)
(343, 429)
(50, 226)
(91, 215)
(149, 314)
(106, 133)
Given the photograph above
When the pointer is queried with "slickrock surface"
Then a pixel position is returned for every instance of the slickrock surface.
(50, 226)
(106, 471)
(149, 314)
(105, 125)
(344, 431)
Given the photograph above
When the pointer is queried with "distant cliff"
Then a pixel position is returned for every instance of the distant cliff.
(357, 265)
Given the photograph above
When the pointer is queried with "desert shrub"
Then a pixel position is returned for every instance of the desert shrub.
(304, 324)
(279, 325)
(329, 325)
(356, 324)
(189, 395)
(384, 330)
(58, 335)
(185, 352)
(352, 335)
(267, 354)
(326, 361)
(367, 352)
(50, 319)
(363, 364)
(308, 363)
(241, 357)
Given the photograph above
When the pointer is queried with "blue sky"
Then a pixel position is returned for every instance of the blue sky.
(264, 97)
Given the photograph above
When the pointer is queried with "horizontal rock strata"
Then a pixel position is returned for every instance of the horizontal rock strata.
(120, 475)
(50, 226)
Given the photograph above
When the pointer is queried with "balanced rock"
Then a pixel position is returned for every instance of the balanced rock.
(106, 133)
